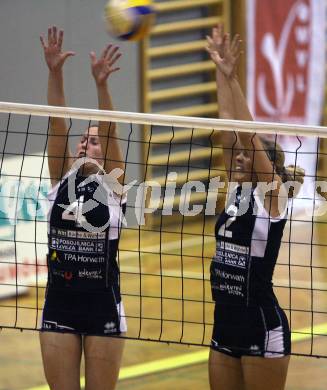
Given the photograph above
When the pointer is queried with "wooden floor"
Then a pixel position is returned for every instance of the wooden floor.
(21, 368)
(151, 268)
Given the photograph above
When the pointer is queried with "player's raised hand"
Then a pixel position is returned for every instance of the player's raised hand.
(224, 52)
(54, 56)
(105, 64)
(218, 38)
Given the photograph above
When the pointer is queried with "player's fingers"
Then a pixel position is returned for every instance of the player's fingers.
(237, 49)
(114, 59)
(113, 70)
(106, 50)
(54, 34)
(210, 41)
(215, 33)
(60, 38)
(213, 54)
(226, 42)
(235, 38)
(220, 28)
(235, 43)
(207, 48)
(111, 53)
(49, 35)
(93, 57)
(67, 54)
(42, 42)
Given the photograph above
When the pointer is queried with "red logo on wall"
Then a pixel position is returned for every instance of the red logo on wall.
(282, 40)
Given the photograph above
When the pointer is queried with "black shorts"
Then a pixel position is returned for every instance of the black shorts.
(95, 312)
(251, 331)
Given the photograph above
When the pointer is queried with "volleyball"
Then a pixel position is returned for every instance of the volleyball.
(129, 19)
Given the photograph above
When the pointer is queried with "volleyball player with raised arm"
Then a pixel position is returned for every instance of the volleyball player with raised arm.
(251, 341)
(82, 304)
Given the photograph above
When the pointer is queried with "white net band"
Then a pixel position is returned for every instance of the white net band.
(163, 120)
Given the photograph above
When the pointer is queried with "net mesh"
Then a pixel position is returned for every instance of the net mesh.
(168, 243)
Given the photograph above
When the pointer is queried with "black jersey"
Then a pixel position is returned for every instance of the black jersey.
(83, 234)
(247, 248)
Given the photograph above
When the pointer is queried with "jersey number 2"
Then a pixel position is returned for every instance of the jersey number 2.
(232, 211)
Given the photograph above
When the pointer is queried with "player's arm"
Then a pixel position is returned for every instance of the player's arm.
(262, 165)
(102, 68)
(59, 156)
(224, 94)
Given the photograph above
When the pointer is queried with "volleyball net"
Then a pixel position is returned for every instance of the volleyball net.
(177, 185)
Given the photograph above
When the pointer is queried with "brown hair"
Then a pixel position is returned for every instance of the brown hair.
(277, 156)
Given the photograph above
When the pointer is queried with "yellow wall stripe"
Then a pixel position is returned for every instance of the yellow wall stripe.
(306, 333)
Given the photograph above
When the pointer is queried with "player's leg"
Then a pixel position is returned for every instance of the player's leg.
(271, 334)
(225, 368)
(265, 373)
(103, 354)
(61, 355)
(103, 357)
(225, 372)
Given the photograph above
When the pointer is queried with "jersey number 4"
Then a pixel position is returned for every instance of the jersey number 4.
(74, 212)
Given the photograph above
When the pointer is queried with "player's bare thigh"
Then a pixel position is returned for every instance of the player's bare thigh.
(103, 357)
(61, 355)
(225, 372)
(265, 373)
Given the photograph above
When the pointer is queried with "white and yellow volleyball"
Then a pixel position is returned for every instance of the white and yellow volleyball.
(129, 19)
